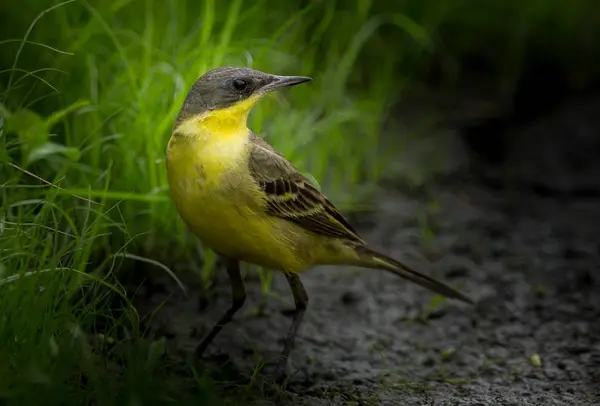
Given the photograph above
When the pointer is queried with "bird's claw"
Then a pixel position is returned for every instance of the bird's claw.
(276, 376)
(279, 374)
(198, 352)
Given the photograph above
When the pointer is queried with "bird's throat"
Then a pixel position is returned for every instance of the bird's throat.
(221, 123)
(224, 122)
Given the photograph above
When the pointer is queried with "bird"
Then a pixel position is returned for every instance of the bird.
(246, 202)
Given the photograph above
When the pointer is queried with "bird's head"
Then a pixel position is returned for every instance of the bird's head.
(222, 98)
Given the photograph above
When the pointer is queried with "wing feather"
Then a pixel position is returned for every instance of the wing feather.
(291, 196)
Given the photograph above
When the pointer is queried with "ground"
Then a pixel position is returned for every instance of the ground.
(531, 264)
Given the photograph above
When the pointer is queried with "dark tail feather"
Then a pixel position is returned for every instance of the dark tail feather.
(374, 259)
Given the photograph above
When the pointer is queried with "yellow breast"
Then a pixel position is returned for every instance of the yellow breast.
(219, 201)
(205, 174)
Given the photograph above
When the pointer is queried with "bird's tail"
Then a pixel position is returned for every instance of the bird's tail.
(373, 259)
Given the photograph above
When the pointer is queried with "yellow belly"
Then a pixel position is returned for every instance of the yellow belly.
(223, 207)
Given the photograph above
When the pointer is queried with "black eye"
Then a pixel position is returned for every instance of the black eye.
(240, 84)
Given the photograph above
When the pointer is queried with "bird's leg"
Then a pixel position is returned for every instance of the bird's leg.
(238, 296)
(301, 301)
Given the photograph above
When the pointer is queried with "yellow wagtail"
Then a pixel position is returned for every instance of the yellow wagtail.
(246, 202)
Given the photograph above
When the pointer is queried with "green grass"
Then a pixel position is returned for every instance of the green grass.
(133, 77)
(88, 94)
(52, 303)
(83, 179)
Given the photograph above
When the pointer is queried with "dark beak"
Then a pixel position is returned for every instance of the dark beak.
(284, 81)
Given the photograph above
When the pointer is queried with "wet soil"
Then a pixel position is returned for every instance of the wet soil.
(531, 263)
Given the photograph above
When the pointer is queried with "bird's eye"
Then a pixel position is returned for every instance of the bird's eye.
(240, 84)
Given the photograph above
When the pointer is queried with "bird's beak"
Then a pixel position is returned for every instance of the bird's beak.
(284, 81)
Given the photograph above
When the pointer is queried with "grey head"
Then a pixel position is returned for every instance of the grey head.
(223, 87)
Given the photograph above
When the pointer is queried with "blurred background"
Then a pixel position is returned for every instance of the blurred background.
(405, 94)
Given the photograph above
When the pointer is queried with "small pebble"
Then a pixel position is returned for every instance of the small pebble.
(536, 361)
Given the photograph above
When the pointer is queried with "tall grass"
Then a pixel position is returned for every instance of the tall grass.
(87, 106)
(133, 61)
(88, 94)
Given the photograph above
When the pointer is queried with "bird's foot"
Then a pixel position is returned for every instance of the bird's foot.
(278, 375)
(199, 351)
(203, 361)
(273, 385)
(201, 348)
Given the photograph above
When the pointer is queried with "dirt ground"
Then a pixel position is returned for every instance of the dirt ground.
(531, 264)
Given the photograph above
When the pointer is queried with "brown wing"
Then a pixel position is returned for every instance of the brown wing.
(291, 196)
